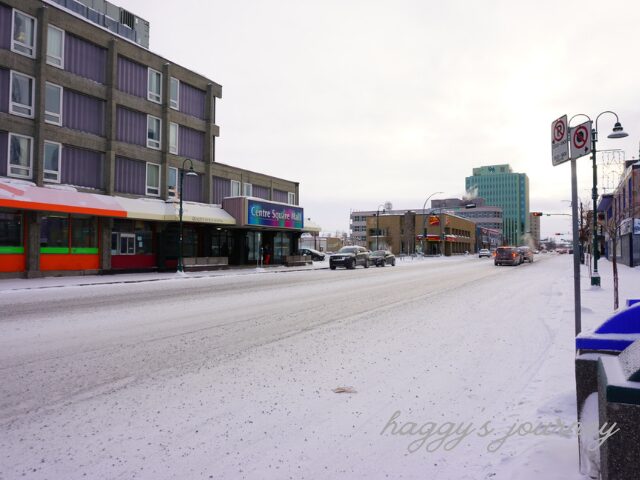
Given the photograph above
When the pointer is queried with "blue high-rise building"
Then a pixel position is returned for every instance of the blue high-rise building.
(501, 187)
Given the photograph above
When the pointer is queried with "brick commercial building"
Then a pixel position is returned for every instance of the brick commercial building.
(97, 131)
(446, 234)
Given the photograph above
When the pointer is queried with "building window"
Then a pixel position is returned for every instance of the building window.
(174, 94)
(21, 95)
(23, 36)
(20, 156)
(291, 198)
(247, 190)
(52, 153)
(53, 104)
(84, 233)
(235, 188)
(123, 243)
(54, 234)
(55, 46)
(154, 85)
(153, 132)
(11, 233)
(172, 182)
(173, 138)
(153, 179)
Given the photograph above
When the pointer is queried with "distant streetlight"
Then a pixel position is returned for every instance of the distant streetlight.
(618, 132)
(424, 221)
(190, 173)
(378, 224)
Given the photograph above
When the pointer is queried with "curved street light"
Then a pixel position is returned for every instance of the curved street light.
(378, 224)
(617, 132)
(190, 173)
(424, 221)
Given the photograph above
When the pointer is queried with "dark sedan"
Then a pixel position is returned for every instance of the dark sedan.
(349, 257)
(380, 258)
(315, 255)
(508, 256)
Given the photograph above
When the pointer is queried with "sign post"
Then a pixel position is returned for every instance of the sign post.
(560, 154)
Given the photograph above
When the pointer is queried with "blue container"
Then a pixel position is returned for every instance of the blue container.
(616, 333)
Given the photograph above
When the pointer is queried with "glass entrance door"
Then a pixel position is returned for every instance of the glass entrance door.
(253, 242)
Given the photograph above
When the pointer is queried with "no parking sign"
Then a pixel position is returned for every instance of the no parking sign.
(559, 141)
(581, 140)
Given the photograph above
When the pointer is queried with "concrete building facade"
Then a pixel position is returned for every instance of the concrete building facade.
(97, 134)
(622, 210)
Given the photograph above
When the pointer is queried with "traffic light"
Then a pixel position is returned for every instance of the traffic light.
(536, 214)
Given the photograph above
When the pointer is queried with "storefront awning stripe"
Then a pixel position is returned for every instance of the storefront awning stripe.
(50, 207)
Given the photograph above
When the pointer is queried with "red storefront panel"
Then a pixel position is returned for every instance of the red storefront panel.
(57, 261)
(12, 262)
(132, 261)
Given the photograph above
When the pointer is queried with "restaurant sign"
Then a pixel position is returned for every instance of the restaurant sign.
(267, 214)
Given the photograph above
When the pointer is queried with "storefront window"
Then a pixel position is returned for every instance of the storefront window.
(131, 238)
(144, 242)
(84, 233)
(221, 244)
(11, 232)
(54, 233)
(281, 247)
(189, 242)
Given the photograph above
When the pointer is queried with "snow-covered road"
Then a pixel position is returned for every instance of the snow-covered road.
(233, 376)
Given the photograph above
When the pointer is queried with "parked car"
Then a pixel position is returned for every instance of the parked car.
(527, 254)
(484, 252)
(508, 256)
(349, 257)
(314, 254)
(380, 258)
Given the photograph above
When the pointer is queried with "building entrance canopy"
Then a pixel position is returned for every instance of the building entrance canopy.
(25, 195)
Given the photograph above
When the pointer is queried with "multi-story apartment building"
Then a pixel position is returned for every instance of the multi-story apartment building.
(500, 186)
(96, 134)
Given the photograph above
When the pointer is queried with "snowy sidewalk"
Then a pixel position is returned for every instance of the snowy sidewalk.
(13, 284)
(117, 278)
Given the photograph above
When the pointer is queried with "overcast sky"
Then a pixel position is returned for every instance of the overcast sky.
(369, 101)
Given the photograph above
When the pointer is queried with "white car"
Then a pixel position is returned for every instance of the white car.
(484, 253)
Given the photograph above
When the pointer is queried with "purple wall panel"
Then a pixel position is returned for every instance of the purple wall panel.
(221, 189)
(82, 112)
(131, 126)
(190, 143)
(4, 138)
(280, 196)
(193, 188)
(4, 90)
(261, 192)
(130, 176)
(192, 100)
(84, 58)
(82, 167)
(132, 77)
(5, 27)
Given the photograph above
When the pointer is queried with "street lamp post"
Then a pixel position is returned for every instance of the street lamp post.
(378, 224)
(618, 132)
(190, 173)
(424, 222)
